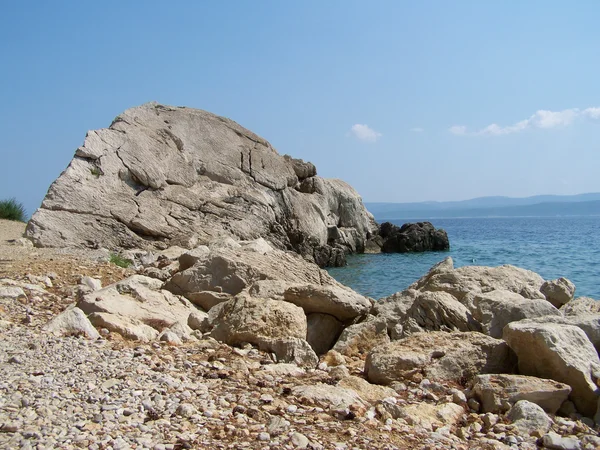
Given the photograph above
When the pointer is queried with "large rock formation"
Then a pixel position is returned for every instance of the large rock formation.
(412, 237)
(162, 176)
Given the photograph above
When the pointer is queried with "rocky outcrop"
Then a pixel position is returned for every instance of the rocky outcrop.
(559, 352)
(558, 292)
(72, 321)
(162, 176)
(440, 356)
(412, 237)
(497, 393)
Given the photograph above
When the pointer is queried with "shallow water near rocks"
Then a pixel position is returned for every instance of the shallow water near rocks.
(551, 246)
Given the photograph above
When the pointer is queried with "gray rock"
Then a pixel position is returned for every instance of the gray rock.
(323, 330)
(93, 283)
(327, 396)
(494, 391)
(299, 440)
(72, 321)
(289, 350)
(440, 356)
(529, 418)
(161, 175)
(560, 352)
(360, 338)
(555, 441)
(498, 308)
(559, 291)
(198, 320)
(13, 292)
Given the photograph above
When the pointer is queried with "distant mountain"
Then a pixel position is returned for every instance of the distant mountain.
(539, 205)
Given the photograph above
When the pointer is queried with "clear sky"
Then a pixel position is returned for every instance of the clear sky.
(407, 101)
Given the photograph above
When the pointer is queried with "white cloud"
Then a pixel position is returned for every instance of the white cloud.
(365, 133)
(417, 130)
(540, 119)
(459, 130)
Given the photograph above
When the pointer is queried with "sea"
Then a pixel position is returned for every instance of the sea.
(551, 246)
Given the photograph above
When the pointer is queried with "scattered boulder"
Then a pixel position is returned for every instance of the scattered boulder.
(438, 311)
(289, 350)
(244, 319)
(323, 330)
(412, 237)
(581, 306)
(498, 392)
(529, 418)
(129, 328)
(558, 292)
(439, 355)
(72, 321)
(333, 397)
(360, 338)
(198, 320)
(560, 352)
(495, 309)
(371, 393)
(555, 441)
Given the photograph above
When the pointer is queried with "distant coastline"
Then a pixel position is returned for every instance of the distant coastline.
(492, 207)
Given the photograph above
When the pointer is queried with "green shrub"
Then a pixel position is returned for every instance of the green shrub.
(12, 210)
(118, 260)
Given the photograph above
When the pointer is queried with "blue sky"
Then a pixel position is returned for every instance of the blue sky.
(407, 101)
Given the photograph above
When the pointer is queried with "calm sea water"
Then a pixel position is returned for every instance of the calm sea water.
(551, 246)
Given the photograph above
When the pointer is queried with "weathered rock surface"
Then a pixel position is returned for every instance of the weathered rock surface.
(529, 418)
(497, 393)
(466, 282)
(323, 330)
(138, 299)
(245, 319)
(360, 338)
(558, 292)
(495, 309)
(581, 306)
(559, 352)
(336, 396)
(440, 356)
(72, 321)
(412, 237)
(162, 176)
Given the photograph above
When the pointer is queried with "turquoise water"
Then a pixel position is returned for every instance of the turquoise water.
(551, 246)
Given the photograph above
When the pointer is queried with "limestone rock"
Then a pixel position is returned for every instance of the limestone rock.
(426, 415)
(289, 350)
(127, 327)
(529, 418)
(246, 319)
(198, 320)
(393, 309)
(440, 356)
(581, 306)
(435, 311)
(360, 338)
(323, 330)
(371, 393)
(466, 282)
(495, 391)
(412, 237)
(138, 300)
(558, 292)
(495, 309)
(72, 321)
(560, 352)
(162, 175)
(324, 395)
(555, 441)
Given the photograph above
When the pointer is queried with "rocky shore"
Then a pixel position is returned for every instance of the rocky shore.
(224, 332)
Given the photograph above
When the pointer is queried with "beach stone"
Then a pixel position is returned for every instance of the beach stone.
(246, 319)
(371, 393)
(529, 418)
(72, 321)
(393, 309)
(581, 306)
(557, 442)
(289, 350)
(299, 440)
(360, 338)
(128, 328)
(93, 283)
(322, 331)
(495, 309)
(169, 337)
(331, 397)
(439, 356)
(198, 320)
(435, 311)
(494, 391)
(12, 292)
(559, 352)
(559, 291)
(207, 299)
(466, 282)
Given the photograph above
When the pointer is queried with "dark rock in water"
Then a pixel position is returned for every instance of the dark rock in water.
(412, 237)
(161, 176)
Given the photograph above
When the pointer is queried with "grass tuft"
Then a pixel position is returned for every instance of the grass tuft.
(118, 260)
(12, 210)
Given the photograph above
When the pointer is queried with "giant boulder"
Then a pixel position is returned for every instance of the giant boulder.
(162, 176)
